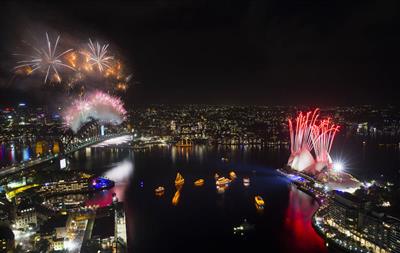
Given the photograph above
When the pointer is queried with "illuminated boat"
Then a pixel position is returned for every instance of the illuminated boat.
(199, 182)
(179, 180)
(232, 175)
(259, 201)
(222, 181)
(246, 181)
(101, 183)
(159, 191)
(243, 228)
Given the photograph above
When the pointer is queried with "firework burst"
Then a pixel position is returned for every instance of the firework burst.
(46, 60)
(96, 106)
(306, 135)
(98, 56)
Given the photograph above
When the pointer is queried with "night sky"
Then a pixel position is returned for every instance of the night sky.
(228, 52)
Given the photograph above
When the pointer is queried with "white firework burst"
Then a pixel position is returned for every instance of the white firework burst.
(97, 55)
(45, 59)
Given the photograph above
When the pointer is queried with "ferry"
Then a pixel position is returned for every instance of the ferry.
(232, 175)
(222, 181)
(259, 200)
(179, 180)
(246, 181)
(199, 182)
(159, 191)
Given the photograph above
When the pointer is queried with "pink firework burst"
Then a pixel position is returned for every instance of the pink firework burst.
(98, 106)
(307, 134)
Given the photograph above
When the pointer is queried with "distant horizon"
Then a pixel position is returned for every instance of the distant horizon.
(16, 104)
(221, 52)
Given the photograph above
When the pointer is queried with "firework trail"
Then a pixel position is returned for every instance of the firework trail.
(96, 106)
(322, 136)
(308, 134)
(45, 59)
(300, 137)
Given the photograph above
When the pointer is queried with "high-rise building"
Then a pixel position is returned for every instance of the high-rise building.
(355, 218)
(120, 226)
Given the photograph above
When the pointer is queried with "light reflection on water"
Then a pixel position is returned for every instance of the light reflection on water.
(204, 217)
(26, 153)
(120, 173)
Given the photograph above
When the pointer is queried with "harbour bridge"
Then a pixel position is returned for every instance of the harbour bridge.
(53, 148)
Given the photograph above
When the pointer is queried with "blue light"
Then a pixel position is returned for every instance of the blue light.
(102, 183)
(26, 154)
(296, 178)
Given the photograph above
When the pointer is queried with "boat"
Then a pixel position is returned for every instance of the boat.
(199, 182)
(246, 181)
(159, 191)
(259, 200)
(222, 181)
(232, 175)
(244, 228)
(179, 180)
(224, 159)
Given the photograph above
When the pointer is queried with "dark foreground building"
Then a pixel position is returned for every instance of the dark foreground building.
(7, 242)
(353, 218)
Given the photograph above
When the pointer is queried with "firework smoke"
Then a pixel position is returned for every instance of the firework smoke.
(95, 106)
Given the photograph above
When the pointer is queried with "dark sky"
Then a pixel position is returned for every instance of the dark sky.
(239, 52)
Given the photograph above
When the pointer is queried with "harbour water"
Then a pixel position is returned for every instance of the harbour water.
(204, 219)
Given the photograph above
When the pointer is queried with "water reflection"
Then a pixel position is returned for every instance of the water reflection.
(120, 173)
(175, 199)
(12, 154)
(26, 153)
(88, 152)
(2, 152)
(297, 223)
(187, 153)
